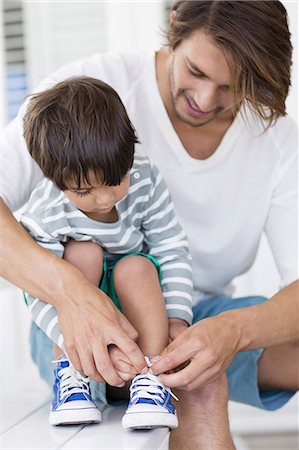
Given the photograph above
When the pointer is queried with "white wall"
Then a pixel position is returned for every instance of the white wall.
(58, 33)
(2, 83)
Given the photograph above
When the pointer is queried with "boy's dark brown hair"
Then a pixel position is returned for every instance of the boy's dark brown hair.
(77, 127)
(255, 39)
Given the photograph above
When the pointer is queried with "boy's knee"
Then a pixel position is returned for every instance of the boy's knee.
(133, 266)
(78, 249)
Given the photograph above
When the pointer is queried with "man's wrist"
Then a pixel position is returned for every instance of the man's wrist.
(269, 323)
(237, 320)
(67, 276)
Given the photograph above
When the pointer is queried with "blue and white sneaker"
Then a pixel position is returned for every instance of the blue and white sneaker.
(72, 403)
(150, 404)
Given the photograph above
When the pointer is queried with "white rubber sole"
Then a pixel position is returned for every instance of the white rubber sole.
(147, 420)
(75, 416)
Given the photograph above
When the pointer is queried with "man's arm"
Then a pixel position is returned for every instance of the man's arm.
(84, 315)
(274, 322)
(211, 344)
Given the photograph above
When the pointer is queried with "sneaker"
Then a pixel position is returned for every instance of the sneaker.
(72, 403)
(150, 405)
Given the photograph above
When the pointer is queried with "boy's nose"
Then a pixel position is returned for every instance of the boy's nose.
(104, 200)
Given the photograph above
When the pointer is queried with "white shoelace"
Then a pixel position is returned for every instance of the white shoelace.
(72, 381)
(149, 386)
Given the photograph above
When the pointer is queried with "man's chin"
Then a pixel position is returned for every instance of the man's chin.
(196, 122)
(192, 122)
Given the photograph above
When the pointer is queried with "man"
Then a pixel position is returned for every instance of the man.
(208, 109)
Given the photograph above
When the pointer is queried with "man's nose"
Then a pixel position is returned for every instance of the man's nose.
(206, 99)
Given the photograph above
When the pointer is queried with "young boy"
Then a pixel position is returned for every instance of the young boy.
(111, 216)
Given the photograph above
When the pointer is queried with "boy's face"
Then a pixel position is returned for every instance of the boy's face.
(98, 199)
(200, 81)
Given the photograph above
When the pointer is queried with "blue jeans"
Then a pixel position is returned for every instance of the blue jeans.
(242, 373)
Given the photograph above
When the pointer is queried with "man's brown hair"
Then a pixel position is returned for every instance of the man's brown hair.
(77, 127)
(255, 39)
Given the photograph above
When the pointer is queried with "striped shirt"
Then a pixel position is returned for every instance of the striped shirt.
(146, 223)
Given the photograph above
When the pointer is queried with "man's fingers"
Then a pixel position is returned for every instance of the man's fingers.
(104, 365)
(120, 361)
(196, 374)
(88, 363)
(127, 327)
(180, 379)
(132, 351)
(81, 357)
(88, 348)
(73, 356)
(125, 376)
(122, 366)
(170, 359)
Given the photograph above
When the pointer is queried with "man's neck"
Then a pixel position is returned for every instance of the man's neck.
(202, 141)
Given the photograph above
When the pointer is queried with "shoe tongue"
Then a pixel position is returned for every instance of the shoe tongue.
(63, 363)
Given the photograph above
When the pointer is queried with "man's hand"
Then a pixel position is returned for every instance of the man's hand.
(209, 346)
(89, 327)
(122, 364)
(176, 327)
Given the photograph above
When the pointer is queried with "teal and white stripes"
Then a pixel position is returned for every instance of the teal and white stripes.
(146, 223)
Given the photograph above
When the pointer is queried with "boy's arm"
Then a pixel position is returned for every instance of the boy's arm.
(167, 242)
(85, 316)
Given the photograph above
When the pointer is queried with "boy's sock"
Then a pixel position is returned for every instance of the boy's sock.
(72, 403)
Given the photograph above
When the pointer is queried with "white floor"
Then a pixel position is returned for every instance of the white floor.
(25, 426)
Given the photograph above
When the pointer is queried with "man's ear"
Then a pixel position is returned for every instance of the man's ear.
(172, 17)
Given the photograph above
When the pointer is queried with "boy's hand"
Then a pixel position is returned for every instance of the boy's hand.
(176, 327)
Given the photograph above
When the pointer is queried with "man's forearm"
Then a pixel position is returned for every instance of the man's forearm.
(274, 322)
(31, 267)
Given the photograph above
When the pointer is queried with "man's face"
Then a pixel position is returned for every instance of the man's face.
(200, 81)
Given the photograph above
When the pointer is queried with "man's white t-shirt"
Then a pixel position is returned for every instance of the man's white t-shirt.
(224, 203)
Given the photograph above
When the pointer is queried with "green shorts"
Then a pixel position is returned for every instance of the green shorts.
(107, 280)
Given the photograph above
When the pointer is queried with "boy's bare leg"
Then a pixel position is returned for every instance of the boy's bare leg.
(88, 258)
(203, 419)
(138, 289)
